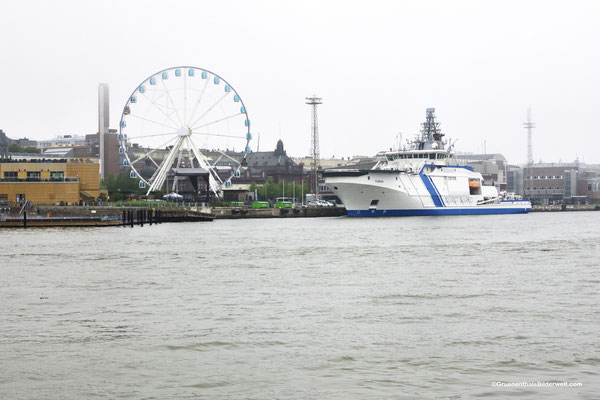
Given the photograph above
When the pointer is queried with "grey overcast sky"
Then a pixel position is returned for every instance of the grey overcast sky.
(377, 65)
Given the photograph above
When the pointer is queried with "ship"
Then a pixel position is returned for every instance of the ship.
(421, 178)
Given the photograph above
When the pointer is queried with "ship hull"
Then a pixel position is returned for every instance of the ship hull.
(436, 211)
(442, 191)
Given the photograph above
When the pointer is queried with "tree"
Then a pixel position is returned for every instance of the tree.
(122, 186)
(15, 148)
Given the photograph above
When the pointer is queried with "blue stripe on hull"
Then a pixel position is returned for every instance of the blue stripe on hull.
(437, 211)
(437, 200)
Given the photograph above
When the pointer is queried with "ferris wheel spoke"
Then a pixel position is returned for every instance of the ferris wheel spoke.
(185, 98)
(158, 107)
(217, 134)
(154, 122)
(153, 135)
(171, 100)
(198, 102)
(226, 155)
(153, 151)
(141, 158)
(210, 108)
(217, 121)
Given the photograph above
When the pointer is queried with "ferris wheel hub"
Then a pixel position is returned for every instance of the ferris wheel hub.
(184, 131)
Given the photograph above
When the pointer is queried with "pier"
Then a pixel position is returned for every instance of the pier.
(74, 216)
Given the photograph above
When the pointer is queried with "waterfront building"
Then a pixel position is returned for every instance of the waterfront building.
(276, 165)
(113, 159)
(62, 141)
(46, 181)
(492, 167)
(550, 183)
(514, 179)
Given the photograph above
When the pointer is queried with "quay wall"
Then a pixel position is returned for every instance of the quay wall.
(239, 213)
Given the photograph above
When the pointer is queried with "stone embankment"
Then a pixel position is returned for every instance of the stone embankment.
(564, 207)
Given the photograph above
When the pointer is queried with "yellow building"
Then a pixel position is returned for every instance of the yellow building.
(44, 182)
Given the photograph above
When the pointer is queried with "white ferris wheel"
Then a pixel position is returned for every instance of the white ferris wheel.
(181, 121)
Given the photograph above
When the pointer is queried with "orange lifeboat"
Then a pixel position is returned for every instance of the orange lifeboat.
(474, 184)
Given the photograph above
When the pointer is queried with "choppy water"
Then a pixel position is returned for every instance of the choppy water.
(325, 308)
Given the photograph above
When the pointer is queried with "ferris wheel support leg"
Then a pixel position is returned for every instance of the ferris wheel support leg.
(160, 178)
(175, 187)
(204, 164)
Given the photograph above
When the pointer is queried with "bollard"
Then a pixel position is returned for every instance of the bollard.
(124, 219)
(150, 216)
(131, 218)
(141, 218)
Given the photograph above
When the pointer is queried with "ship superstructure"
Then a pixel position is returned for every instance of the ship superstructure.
(421, 178)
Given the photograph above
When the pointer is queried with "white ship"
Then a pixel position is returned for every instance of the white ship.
(422, 179)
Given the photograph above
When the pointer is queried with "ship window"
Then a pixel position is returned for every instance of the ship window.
(374, 203)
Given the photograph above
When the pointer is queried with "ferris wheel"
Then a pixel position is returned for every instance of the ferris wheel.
(181, 121)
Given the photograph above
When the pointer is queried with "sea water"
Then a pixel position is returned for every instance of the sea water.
(305, 308)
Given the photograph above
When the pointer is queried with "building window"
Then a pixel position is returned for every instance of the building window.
(33, 175)
(11, 175)
(57, 175)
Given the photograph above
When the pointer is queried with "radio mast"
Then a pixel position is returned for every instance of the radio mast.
(529, 126)
(314, 101)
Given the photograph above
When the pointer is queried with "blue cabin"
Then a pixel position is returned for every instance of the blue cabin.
(248, 149)
(204, 74)
(236, 98)
(249, 136)
(190, 72)
(217, 80)
(142, 89)
(243, 109)
(123, 124)
(153, 81)
(142, 184)
(228, 184)
(177, 72)
(125, 163)
(121, 136)
(236, 173)
(122, 150)
(227, 88)
(165, 75)
(132, 174)
(133, 99)
(247, 123)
